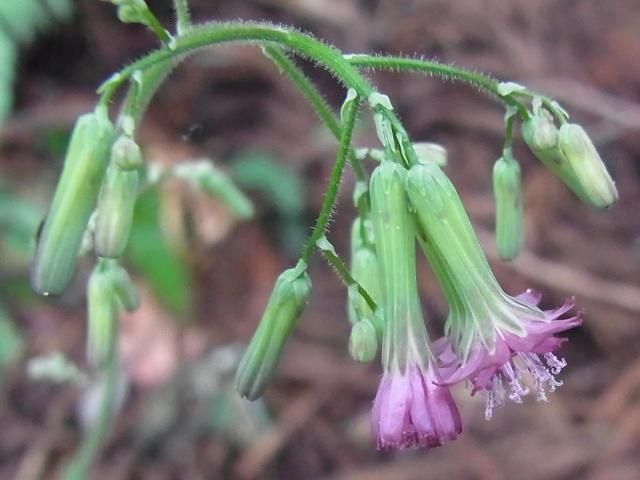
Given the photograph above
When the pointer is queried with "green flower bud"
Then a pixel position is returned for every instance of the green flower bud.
(116, 204)
(440, 211)
(363, 341)
(509, 217)
(126, 154)
(288, 298)
(570, 154)
(596, 186)
(364, 270)
(102, 312)
(203, 176)
(73, 202)
(456, 257)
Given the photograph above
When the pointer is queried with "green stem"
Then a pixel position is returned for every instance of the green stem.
(78, 467)
(508, 132)
(345, 275)
(142, 90)
(479, 81)
(315, 98)
(449, 72)
(334, 181)
(183, 16)
(207, 34)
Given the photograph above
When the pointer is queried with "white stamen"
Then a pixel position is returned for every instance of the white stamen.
(539, 369)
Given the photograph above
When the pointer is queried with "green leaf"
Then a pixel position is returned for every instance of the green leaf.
(281, 187)
(162, 266)
(11, 342)
(19, 220)
(21, 20)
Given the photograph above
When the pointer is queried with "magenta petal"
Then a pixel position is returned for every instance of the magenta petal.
(514, 358)
(411, 410)
(568, 304)
(395, 399)
(540, 334)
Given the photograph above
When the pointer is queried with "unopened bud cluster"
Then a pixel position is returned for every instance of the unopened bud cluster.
(570, 154)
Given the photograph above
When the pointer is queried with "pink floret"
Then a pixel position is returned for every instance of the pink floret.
(412, 410)
(501, 372)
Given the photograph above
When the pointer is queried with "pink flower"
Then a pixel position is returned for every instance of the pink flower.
(514, 364)
(412, 409)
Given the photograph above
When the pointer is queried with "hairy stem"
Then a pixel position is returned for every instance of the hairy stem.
(207, 34)
(183, 16)
(345, 275)
(334, 181)
(142, 90)
(315, 98)
(479, 81)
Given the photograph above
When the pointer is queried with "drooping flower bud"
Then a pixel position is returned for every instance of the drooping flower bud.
(73, 202)
(411, 408)
(541, 135)
(363, 341)
(509, 216)
(596, 186)
(288, 299)
(102, 314)
(116, 204)
(570, 154)
(204, 176)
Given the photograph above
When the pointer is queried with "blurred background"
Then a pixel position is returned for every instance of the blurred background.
(205, 277)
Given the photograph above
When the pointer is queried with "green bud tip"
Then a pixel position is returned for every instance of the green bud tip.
(363, 341)
(540, 132)
(126, 154)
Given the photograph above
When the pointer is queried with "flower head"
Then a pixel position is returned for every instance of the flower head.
(514, 365)
(412, 408)
(493, 340)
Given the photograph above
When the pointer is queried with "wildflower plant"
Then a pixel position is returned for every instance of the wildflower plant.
(500, 344)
